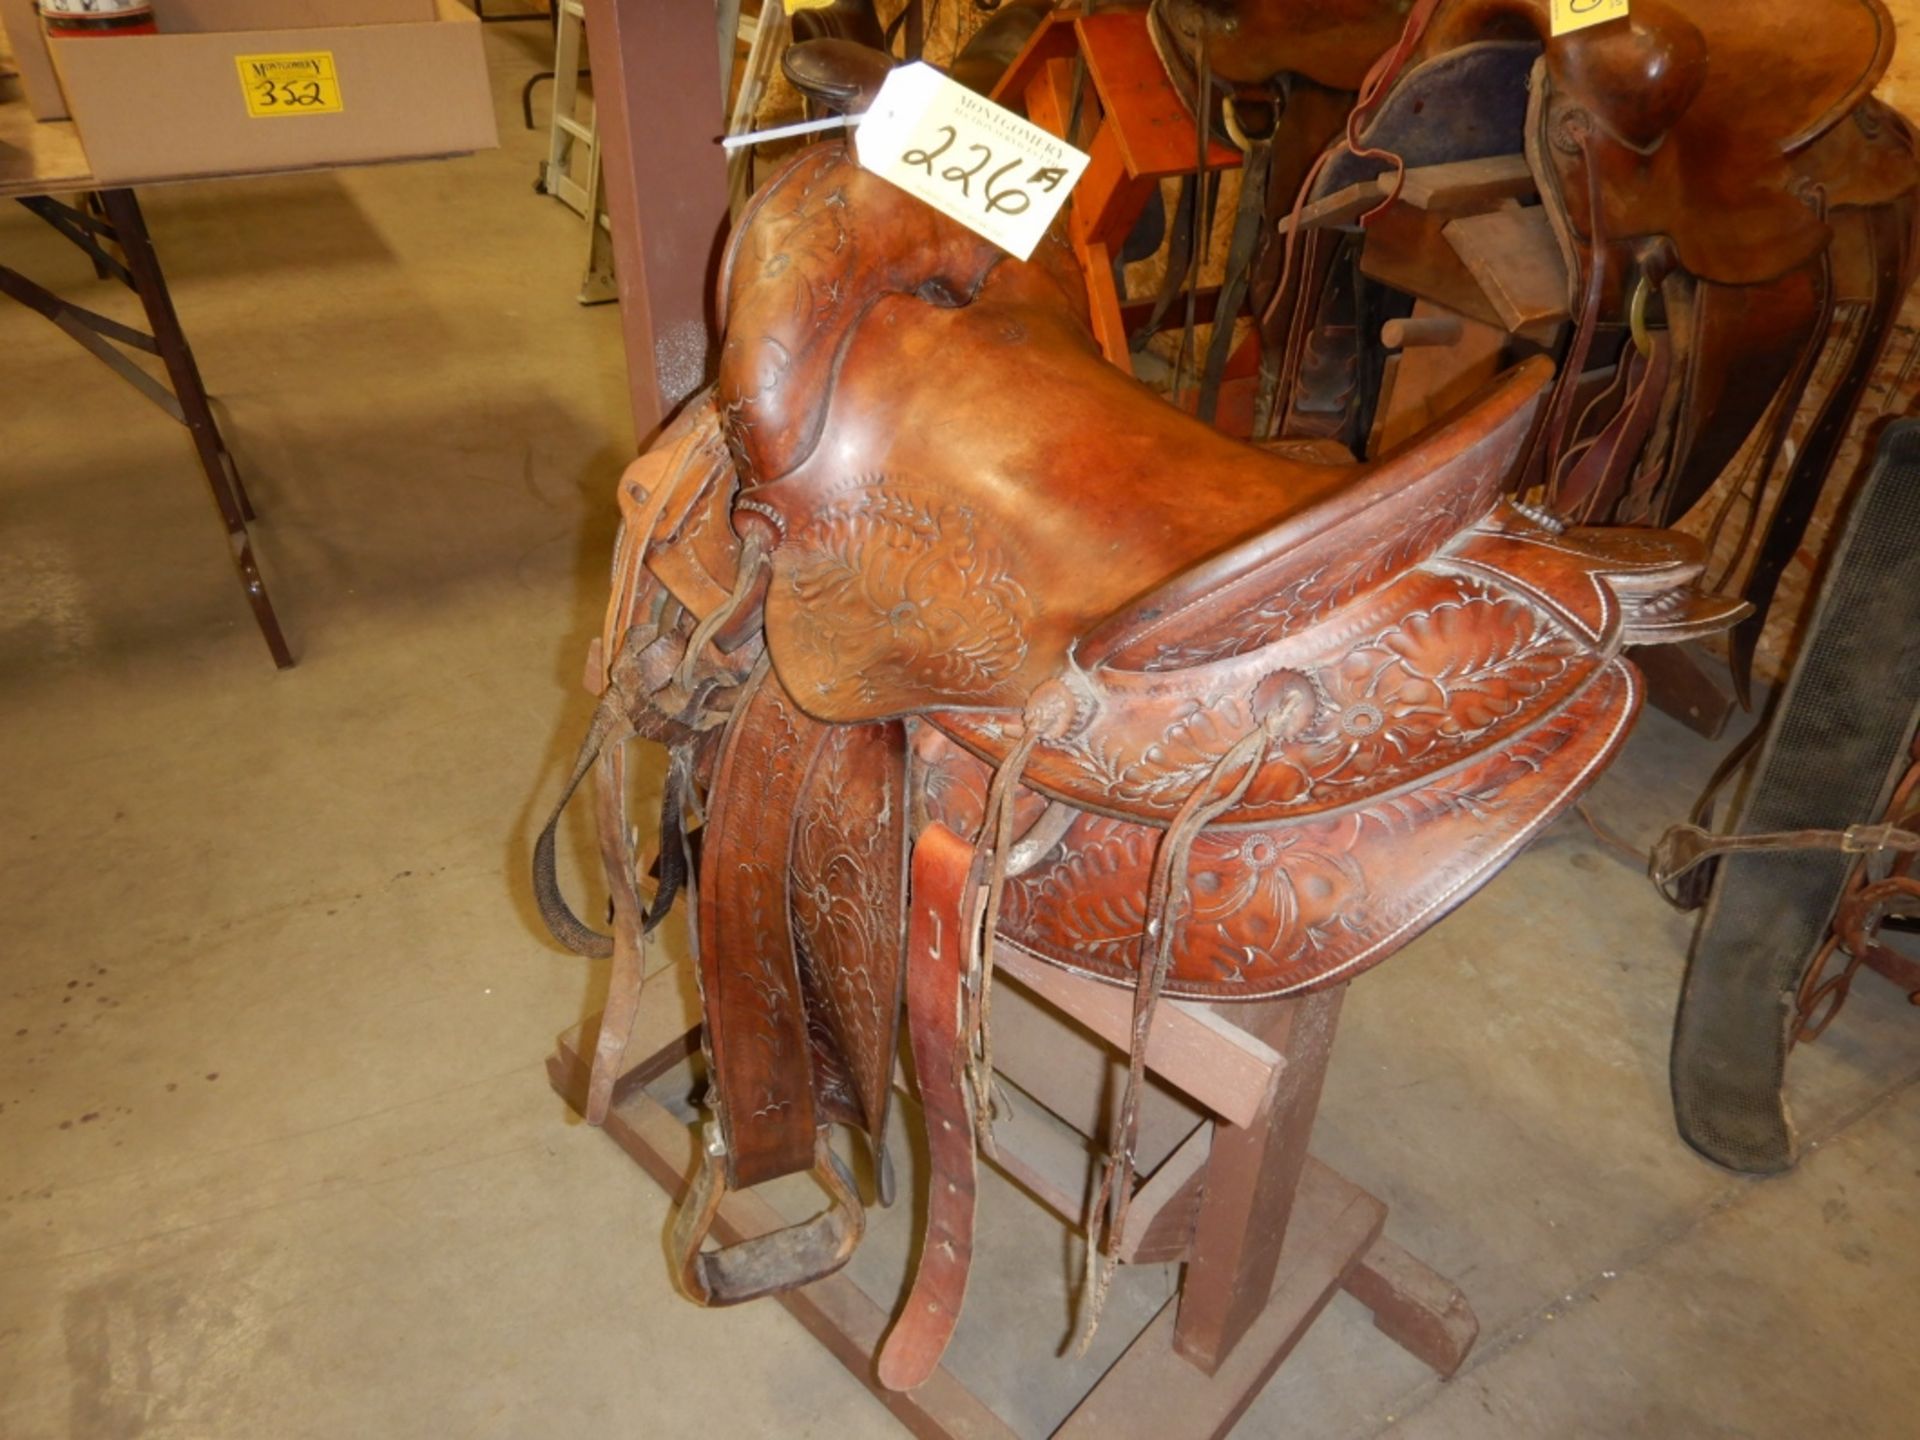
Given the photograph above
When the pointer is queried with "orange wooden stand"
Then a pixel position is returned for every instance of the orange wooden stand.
(1267, 1234)
(1140, 134)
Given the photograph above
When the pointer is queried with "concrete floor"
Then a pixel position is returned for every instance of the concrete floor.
(277, 1154)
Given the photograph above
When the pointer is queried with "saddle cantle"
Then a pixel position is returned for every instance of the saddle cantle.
(925, 582)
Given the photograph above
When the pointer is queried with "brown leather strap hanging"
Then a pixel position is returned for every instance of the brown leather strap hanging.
(939, 945)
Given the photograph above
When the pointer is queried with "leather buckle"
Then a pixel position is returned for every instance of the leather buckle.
(1867, 839)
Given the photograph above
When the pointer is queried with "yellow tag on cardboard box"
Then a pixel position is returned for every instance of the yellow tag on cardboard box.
(794, 7)
(1572, 15)
(302, 84)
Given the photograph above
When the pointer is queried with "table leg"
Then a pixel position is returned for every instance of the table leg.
(223, 477)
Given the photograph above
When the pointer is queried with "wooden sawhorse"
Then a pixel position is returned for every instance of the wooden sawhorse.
(1267, 1234)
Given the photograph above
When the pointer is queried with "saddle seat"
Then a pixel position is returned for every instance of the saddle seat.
(1055, 516)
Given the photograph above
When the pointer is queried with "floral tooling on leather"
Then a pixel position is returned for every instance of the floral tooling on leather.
(898, 597)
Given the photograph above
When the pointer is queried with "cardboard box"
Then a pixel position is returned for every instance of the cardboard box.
(240, 86)
(27, 42)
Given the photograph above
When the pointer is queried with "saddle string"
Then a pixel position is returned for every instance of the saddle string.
(1166, 894)
(1045, 718)
(753, 554)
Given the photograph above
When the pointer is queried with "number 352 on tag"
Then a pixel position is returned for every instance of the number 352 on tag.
(974, 161)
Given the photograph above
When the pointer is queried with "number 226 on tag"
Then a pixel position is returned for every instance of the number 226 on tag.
(974, 161)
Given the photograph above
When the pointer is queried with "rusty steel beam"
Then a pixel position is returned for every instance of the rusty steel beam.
(660, 104)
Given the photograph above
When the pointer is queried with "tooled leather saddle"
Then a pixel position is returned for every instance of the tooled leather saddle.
(924, 588)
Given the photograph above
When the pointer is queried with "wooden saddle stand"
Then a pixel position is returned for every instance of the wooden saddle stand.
(1235, 738)
(974, 659)
(1268, 1234)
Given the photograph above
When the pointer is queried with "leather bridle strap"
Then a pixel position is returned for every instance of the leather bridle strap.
(632, 923)
(611, 726)
(1179, 262)
(1248, 219)
(1685, 846)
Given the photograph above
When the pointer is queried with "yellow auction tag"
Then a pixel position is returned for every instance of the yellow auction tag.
(303, 84)
(1572, 15)
(794, 7)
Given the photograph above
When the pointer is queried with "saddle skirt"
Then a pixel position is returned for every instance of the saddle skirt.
(924, 582)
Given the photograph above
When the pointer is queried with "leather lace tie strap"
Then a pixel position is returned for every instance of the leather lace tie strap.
(753, 554)
(1107, 1217)
(1685, 846)
(1049, 715)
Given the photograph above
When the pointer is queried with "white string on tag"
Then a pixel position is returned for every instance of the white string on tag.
(782, 132)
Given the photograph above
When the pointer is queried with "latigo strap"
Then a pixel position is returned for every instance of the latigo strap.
(940, 943)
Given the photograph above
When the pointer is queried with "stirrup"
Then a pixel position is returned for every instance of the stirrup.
(779, 1260)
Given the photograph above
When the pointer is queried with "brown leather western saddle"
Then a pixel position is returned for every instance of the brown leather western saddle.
(1716, 178)
(957, 633)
